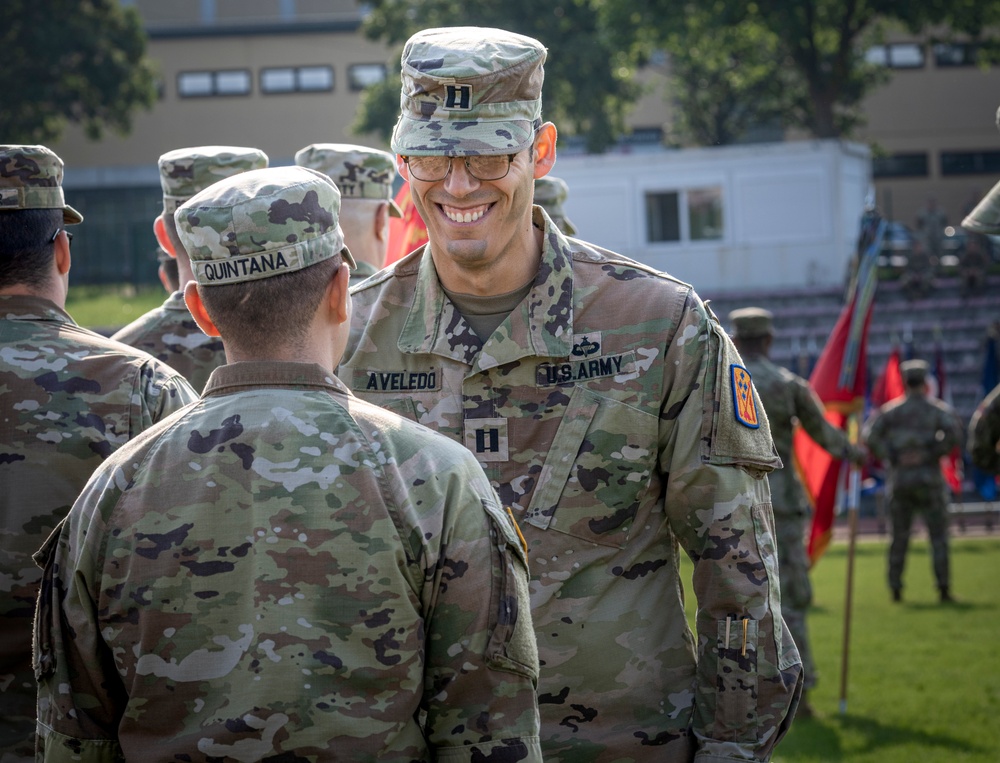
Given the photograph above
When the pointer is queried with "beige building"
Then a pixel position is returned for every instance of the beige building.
(280, 74)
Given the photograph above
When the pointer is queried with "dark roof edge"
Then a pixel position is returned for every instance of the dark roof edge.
(246, 30)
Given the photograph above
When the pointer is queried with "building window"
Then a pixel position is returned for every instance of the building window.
(900, 166)
(361, 76)
(955, 54)
(296, 79)
(970, 162)
(224, 82)
(902, 55)
(692, 214)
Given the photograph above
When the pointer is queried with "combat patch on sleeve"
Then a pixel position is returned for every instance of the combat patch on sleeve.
(743, 403)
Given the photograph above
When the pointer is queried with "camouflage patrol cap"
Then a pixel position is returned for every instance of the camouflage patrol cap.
(550, 193)
(914, 372)
(468, 91)
(751, 322)
(262, 223)
(359, 172)
(31, 178)
(185, 172)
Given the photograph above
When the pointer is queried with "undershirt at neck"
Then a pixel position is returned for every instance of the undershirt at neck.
(485, 314)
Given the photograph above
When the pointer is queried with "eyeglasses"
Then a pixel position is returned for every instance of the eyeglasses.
(432, 169)
(69, 236)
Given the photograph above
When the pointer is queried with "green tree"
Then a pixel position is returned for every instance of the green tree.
(821, 44)
(71, 61)
(588, 80)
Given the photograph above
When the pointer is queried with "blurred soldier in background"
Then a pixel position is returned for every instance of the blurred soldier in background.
(168, 332)
(550, 193)
(789, 401)
(984, 433)
(609, 408)
(930, 224)
(909, 435)
(285, 572)
(364, 177)
(69, 398)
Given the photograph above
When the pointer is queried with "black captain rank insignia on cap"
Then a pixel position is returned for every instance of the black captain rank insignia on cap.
(458, 97)
(744, 406)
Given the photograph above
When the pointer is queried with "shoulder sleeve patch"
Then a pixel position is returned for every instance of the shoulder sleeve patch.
(743, 398)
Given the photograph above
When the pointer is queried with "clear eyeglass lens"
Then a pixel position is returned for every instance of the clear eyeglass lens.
(434, 168)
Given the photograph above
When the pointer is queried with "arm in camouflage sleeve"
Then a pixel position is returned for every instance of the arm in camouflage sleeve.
(872, 436)
(718, 504)
(481, 670)
(161, 392)
(809, 412)
(984, 433)
(78, 711)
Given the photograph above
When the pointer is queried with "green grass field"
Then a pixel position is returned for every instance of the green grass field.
(924, 678)
(111, 306)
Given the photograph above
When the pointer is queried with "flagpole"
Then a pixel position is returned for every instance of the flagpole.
(852, 497)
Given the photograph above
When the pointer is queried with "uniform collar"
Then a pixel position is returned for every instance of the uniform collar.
(234, 377)
(541, 326)
(27, 308)
(176, 302)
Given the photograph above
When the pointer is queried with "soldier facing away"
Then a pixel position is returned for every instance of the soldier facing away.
(550, 193)
(910, 435)
(789, 402)
(169, 332)
(364, 176)
(69, 398)
(610, 411)
(282, 571)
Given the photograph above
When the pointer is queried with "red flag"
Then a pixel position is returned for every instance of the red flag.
(951, 465)
(821, 472)
(889, 384)
(839, 381)
(408, 232)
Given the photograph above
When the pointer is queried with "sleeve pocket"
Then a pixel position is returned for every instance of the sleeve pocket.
(511, 645)
(736, 706)
(42, 653)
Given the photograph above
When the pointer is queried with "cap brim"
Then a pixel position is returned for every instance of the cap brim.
(417, 137)
(346, 255)
(71, 216)
(985, 218)
(394, 210)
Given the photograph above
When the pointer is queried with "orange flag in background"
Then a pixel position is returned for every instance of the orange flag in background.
(408, 232)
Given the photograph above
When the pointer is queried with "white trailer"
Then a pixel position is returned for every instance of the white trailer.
(733, 218)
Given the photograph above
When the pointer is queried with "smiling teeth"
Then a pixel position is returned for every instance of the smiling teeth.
(465, 217)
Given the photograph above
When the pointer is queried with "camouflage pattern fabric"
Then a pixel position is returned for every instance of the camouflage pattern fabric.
(359, 172)
(550, 193)
(910, 435)
(984, 433)
(31, 178)
(788, 399)
(170, 334)
(467, 91)
(185, 172)
(260, 224)
(612, 436)
(361, 272)
(70, 398)
(284, 572)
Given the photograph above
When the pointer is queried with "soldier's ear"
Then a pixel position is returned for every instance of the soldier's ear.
(402, 168)
(339, 295)
(160, 231)
(545, 149)
(192, 298)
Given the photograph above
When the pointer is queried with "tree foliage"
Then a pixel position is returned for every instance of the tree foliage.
(819, 53)
(588, 80)
(71, 61)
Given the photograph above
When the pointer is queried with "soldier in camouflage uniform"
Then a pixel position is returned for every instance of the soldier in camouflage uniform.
(364, 176)
(609, 409)
(168, 332)
(550, 193)
(69, 398)
(910, 435)
(984, 433)
(789, 402)
(283, 571)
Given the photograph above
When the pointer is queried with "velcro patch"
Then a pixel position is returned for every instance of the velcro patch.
(398, 381)
(744, 406)
(487, 439)
(572, 371)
